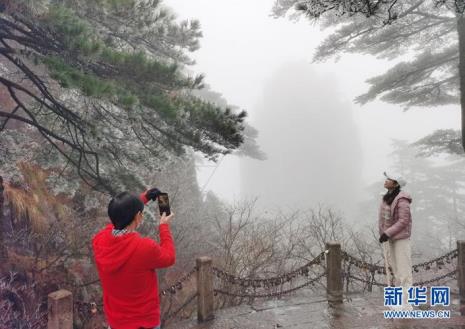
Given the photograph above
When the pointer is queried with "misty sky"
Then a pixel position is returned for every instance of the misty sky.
(243, 46)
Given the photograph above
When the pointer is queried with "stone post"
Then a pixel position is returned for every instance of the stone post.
(461, 274)
(334, 275)
(60, 310)
(204, 289)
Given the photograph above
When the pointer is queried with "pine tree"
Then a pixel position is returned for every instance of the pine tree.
(432, 31)
(102, 85)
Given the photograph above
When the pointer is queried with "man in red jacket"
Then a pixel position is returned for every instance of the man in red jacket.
(126, 263)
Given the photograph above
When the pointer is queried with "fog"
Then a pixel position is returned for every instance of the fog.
(311, 141)
(248, 56)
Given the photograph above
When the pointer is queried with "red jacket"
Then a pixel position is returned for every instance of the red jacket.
(126, 266)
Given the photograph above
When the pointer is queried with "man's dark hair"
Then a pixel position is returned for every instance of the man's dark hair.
(122, 209)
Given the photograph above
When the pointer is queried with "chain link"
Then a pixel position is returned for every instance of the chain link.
(370, 282)
(272, 294)
(171, 315)
(420, 283)
(439, 261)
(381, 270)
(268, 282)
(362, 264)
(179, 284)
(448, 274)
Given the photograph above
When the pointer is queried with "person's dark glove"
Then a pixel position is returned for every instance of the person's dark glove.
(152, 194)
(383, 238)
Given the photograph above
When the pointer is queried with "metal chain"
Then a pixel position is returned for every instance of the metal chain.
(270, 295)
(179, 309)
(362, 264)
(179, 284)
(91, 307)
(449, 274)
(439, 260)
(421, 283)
(381, 270)
(372, 282)
(268, 282)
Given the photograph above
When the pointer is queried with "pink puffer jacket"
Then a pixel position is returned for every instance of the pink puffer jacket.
(400, 224)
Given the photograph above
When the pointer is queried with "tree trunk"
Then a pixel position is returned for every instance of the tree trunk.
(461, 32)
(3, 251)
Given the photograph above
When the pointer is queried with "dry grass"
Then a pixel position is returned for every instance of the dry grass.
(35, 203)
(26, 205)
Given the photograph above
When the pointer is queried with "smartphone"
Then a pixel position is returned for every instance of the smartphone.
(164, 203)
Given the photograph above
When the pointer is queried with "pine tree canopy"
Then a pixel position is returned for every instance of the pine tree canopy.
(425, 32)
(102, 82)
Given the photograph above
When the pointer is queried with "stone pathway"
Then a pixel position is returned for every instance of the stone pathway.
(298, 312)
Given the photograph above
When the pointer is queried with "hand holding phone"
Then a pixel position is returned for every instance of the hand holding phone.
(166, 219)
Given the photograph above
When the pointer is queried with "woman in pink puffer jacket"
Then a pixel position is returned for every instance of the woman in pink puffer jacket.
(395, 227)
